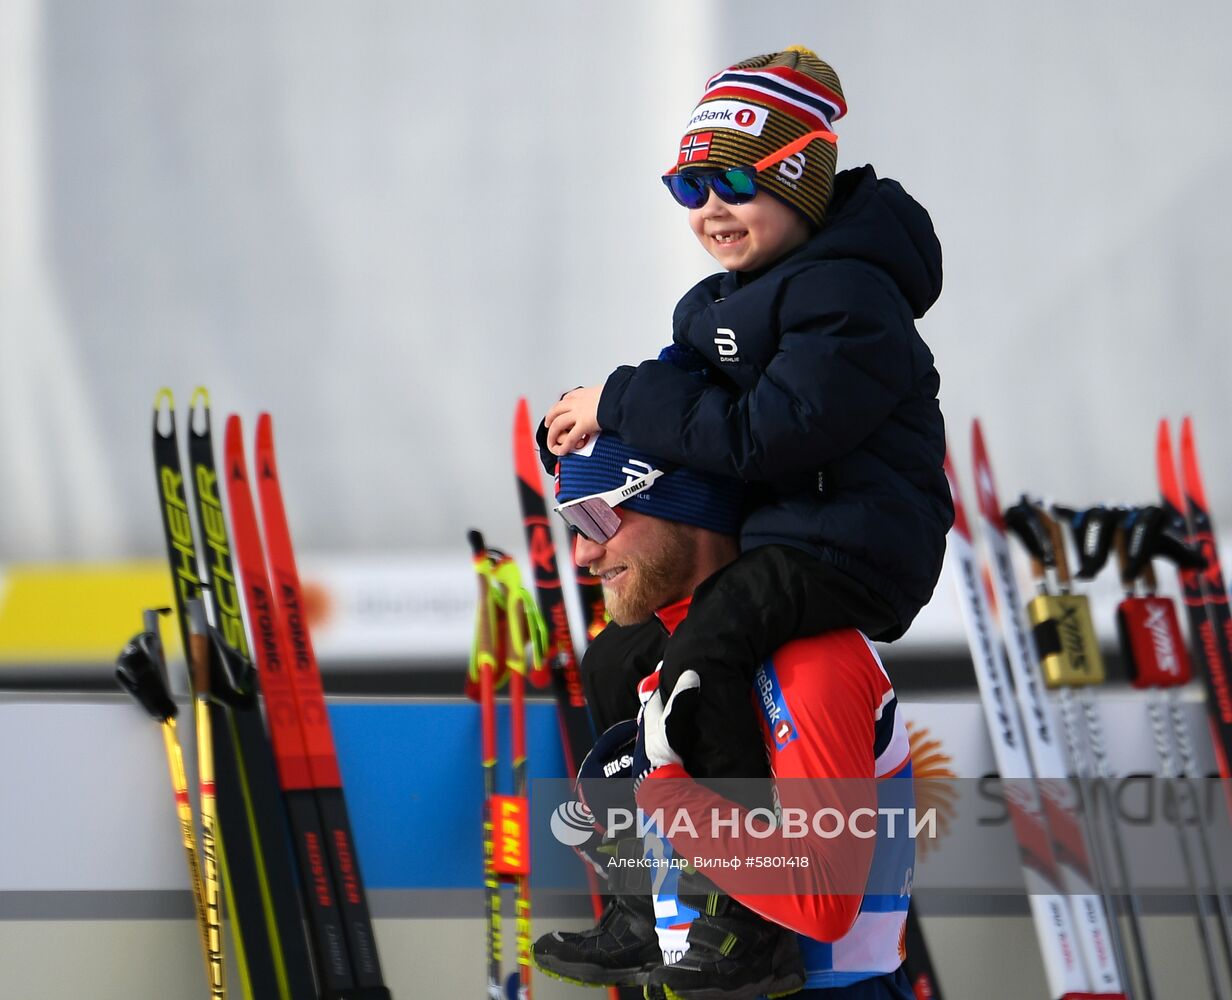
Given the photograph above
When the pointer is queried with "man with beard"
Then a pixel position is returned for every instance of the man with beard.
(828, 914)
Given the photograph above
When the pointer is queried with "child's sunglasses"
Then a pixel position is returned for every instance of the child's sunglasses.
(735, 185)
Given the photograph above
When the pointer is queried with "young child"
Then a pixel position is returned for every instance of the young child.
(820, 393)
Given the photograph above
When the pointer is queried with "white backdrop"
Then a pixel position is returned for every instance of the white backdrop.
(383, 222)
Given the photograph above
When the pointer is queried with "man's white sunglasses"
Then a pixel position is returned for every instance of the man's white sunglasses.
(594, 517)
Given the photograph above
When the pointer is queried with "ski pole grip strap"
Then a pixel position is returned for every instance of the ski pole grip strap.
(1065, 638)
(1152, 643)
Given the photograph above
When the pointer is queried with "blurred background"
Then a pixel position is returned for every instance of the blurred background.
(385, 222)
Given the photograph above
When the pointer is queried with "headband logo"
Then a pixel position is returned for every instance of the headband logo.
(635, 470)
(792, 168)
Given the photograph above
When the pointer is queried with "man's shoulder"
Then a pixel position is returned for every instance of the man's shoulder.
(841, 662)
(624, 641)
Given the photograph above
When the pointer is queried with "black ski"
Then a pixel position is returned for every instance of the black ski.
(237, 849)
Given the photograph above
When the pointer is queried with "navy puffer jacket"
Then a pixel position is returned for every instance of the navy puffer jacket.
(824, 396)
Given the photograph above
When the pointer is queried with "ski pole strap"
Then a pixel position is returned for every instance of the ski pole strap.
(488, 617)
(1092, 531)
(525, 624)
(1022, 521)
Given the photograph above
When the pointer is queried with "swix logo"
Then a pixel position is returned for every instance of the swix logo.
(792, 169)
(774, 706)
(635, 470)
(1159, 627)
(725, 342)
(1069, 628)
(615, 766)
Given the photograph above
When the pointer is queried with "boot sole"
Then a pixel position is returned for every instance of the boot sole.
(583, 974)
(769, 988)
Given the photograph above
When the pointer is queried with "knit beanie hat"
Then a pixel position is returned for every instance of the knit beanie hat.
(681, 494)
(757, 107)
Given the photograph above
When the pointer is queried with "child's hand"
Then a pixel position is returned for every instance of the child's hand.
(573, 420)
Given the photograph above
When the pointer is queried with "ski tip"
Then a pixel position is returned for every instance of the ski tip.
(1165, 466)
(164, 406)
(265, 429)
(266, 467)
(525, 450)
(985, 485)
(199, 412)
(960, 515)
(233, 448)
(1191, 476)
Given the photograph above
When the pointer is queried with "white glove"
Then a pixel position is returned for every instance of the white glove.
(656, 716)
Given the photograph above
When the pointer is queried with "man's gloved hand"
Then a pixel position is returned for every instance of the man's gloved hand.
(655, 722)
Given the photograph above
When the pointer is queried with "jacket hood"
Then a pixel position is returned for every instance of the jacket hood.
(873, 219)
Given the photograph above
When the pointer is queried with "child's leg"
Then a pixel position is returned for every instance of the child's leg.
(738, 618)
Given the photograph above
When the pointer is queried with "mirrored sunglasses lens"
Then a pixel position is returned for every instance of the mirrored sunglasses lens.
(735, 186)
(689, 190)
(593, 518)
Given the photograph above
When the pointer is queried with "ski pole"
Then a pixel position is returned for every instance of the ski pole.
(1062, 962)
(199, 658)
(1078, 664)
(1068, 825)
(1026, 522)
(526, 630)
(141, 670)
(484, 666)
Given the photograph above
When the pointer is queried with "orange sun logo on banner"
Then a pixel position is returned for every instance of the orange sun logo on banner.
(934, 783)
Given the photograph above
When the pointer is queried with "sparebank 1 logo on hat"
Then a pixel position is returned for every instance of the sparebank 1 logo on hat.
(729, 114)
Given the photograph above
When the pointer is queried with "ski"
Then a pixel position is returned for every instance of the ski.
(266, 816)
(1206, 599)
(236, 847)
(1046, 891)
(286, 729)
(1090, 918)
(314, 721)
(577, 735)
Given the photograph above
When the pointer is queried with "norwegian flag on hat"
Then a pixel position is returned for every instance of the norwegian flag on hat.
(694, 147)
